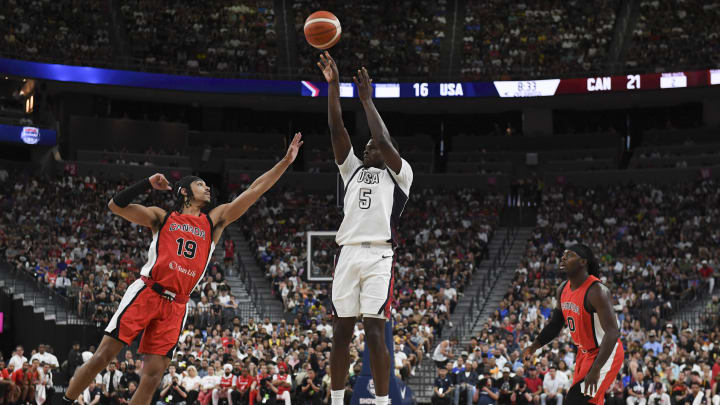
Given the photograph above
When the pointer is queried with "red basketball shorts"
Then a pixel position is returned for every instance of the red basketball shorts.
(608, 372)
(143, 310)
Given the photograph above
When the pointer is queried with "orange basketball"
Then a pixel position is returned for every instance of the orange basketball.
(322, 29)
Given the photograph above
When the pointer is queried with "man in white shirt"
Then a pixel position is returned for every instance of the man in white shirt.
(172, 372)
(658, 396)
(45, 357)
(553, 384)
(62, 282)
(111, 382)
(18, 359)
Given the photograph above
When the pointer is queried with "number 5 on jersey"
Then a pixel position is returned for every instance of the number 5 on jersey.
(186, 248)
(365, 198)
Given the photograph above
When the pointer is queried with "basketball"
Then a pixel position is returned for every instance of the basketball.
(322, 29)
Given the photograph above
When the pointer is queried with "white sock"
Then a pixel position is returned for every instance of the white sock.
(337, 397)
(381, 400)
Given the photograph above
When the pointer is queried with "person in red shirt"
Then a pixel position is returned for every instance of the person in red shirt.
(706, 272)
(534, 383)
(229, 246)
(227, 381)
(283, 383)
(32, 378)
(6, 384)
(242, 387)
(18, 378)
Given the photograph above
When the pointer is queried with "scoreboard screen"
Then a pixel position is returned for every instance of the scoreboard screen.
(533, 88)
(408, 90)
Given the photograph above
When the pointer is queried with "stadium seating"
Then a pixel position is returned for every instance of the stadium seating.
(68, 31)
(665, 30)
(536, 39)
(217, 37)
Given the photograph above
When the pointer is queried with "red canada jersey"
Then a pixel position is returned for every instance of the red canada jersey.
(585, 328)
(243, 382)
(180, 252)
(226, 381)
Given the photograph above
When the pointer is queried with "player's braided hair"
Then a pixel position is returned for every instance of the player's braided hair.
(184, 201)
(586, 253)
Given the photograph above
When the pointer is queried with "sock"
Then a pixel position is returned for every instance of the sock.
(67, 400)
(337, 397)
(381, 400)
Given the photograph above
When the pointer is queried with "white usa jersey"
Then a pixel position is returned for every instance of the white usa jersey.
(374, 200)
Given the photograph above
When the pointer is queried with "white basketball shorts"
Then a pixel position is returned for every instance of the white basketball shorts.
(363, 281)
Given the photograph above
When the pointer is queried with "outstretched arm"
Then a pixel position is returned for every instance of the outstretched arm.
(145, 216)
(223, 215)
(380, 134)
(338, 134)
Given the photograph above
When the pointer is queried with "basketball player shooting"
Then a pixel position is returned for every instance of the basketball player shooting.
(586, 309)
(376, 190)
(182, 245)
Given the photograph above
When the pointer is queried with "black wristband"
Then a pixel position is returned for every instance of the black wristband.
(125, 196)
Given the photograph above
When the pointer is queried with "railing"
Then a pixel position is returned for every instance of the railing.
(674, 308)
(256, 298)
(482, 291)
(32, 289)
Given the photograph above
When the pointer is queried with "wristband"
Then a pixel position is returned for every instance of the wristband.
(125, 196)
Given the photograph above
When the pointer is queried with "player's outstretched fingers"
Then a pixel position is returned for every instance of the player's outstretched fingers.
(329, 58)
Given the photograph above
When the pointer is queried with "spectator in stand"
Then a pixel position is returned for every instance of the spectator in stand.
(173, 393)
(217, 36)
(111, 384)
(708, 276)
(17, 360)
(505, 40)
(553, 387)
(92, 395)
(443, 387)
(229, 246)
(665, 28)
(38, 27)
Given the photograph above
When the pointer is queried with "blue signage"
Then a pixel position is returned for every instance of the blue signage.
(27, 135)
(364, 389)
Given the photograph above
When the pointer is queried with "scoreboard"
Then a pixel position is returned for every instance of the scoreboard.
(531, 88)
(408, 90)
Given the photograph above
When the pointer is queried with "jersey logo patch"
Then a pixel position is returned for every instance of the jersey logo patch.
(569, 306)
(368, 177)
(187, 228)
